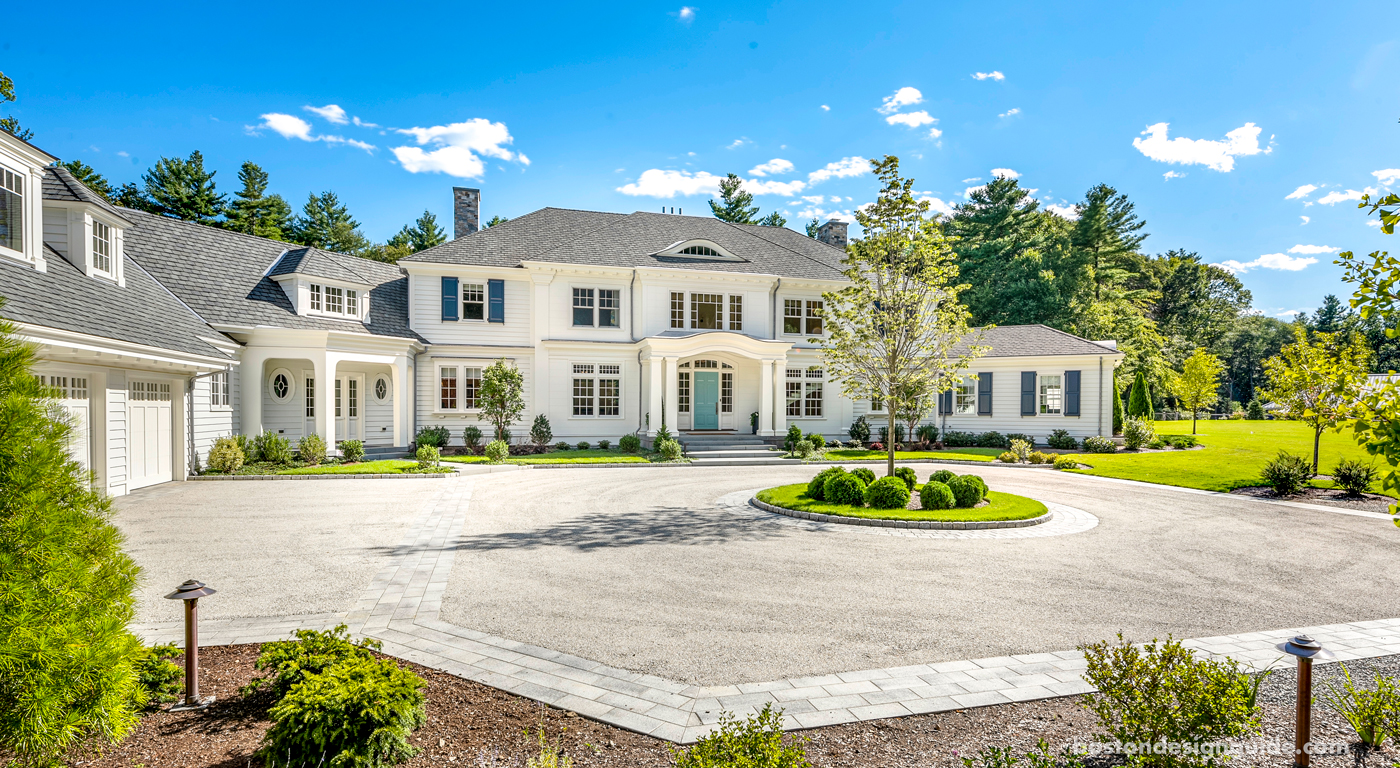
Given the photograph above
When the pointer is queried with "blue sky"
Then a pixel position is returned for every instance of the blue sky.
(613, 106)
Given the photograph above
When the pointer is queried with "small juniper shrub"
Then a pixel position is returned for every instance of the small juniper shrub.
(312, 652)
(942, 476)
(274, 448)
(794, 436)
(758, 741)
(845, 488)
(428, 458)
(936, 495)
(816, 488)
(865, 474)
(1254, 411)
(993, 440)
(1036, 457)
(908, 475)
(1065, 462)
(160, 676)
(1007, 457)
(497, 451)
(437, 437)
(1286, 473)
(226, 455)
(1137, 433)
(860, 430)
(249, 448)
(955, 439)
(887, 493)
(1021, 448)
(604, 444)
(352, 450)
(1099, 444)
(1060, 439)
(471, 437)
(1355, 478)
(629, 443)
(562, 446)
(926, 433)
(311, 449)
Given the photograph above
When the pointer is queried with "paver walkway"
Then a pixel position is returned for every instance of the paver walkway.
(402, 603)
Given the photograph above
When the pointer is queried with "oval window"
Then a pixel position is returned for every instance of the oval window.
(281, 386)
(381, 389)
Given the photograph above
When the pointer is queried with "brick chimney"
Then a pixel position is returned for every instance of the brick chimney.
(833, 233)
(466, 211)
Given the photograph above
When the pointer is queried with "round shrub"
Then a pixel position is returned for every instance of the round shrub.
(1060, 438)
(936, 495)
(629, 443)
(428, 457)
(942, 476)
(497, 451)
(1065, 462)
(1286, 474)
(993, 439)
(980, 482)
(583, 445)
(1036, 457)
(966, 491)
(888, 493)
(311, 449)
(816, 489)
(866, 476)
(562, 446)
(471, 436)
(845, 488)
(1099, 444)
(437, 437)
(670, 450)
(907, 475)
(352, 450)
(226, 456)
(1007, 457)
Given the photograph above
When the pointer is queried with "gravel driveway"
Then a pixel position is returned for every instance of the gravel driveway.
(639, 569)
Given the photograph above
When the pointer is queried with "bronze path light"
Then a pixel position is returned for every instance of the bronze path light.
(1306, 649)
(190, 592)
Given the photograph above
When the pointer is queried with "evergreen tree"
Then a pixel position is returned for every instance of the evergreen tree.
(1140, 401)
(129, 195)
(10, 124)
(814, 227)
(495, 221)
(67, 662)
(734, 205)
(89, 177)
(255, 213)
(1106, 238)
(327, 224)
(1331, 317)
(1195, 301)
(182, 189)
(773, 219)
(424, 234)
(1117, 411)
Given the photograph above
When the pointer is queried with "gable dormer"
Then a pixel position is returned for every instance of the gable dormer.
(84, 228)
(323, 284)
(21, 183)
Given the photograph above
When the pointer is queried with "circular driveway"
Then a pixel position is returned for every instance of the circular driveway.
(641, 569)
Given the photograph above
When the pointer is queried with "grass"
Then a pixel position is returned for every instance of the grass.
(1002, 506)
(962, 454)
(378, 467)
(590, 456)
(1234, 453)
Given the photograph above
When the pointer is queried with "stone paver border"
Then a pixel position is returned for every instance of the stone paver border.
(402, 604)
(344, 476)
(941, 525)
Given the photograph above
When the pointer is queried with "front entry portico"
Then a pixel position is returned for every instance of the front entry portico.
(708, 380)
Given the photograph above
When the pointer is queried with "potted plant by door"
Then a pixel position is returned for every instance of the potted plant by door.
(753, 421)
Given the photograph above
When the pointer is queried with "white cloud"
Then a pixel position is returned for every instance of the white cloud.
(937, 206)
(1373, 223)
(1332, 198)
(686, 14)
(288, 126)
(331, 113)
(1388, 176)
(456, 149)
(1216, 155)
(1301, 192)
(815, 199)
(348, 142)
(658, 183)
(974, 178)
(1305, 220)
(904, 97)
(739, 142)
(1313, 249)
(1291, 312)
(784, 188)
(1010, 112)
(363, 124)
(818, 213)
(841, 169)
(912, 119)
(1005, 173)
(934, 133)
(993, 75)
(123, 153)
(1169, 175)
(1269, 261)
(775, 166)
(1063, 211)
(825, 108)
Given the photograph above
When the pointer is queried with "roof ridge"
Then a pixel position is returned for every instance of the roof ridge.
(587, 232)
(780, 245)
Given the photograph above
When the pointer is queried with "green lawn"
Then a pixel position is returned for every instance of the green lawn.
(380, 467)
(958, 454)
(1234, 453)
(1002, 506)
(590, 456)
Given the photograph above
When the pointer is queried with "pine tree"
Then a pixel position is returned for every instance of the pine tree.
(734, 205)
(10, 124)
(89, 177)
(67, 661)
(253, 212)
(1140, 401)
(495, 220)
(326, 223)
(129, 195)
(814, 227)
(424, 234)
(1106, 238)
(1331, 317)
(182, 189)
(773, 219)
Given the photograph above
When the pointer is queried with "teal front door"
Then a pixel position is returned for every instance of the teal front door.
(706, 400)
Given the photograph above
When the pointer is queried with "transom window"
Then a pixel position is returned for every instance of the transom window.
(792, 316)
(707, 311)
(218, 389)
(65, 387)
(700, 250)
(706, 364)
(11, 210)
(1051, 394)
(677, 309)
(599, 395)
(148, 391)
(736, 313)
(965, 397)
(101, 247)
(473, 301)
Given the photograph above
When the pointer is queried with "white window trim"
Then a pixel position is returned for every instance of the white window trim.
(1038, 377)
(388, 389)
(462, 283)
(674, 249)
(620, 377)
(25, 218)
(802, 318)
(805, 380)
(114, 254)
(361, 301)
(597, 306)
(291, 386)
(461, 366)
(228, 383)
(972, 409)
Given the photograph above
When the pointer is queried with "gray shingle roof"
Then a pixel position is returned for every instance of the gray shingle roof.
(327, 264)
(633, 240)
(1032, 340)
(142, 312)
(60, 184)
(221, 275)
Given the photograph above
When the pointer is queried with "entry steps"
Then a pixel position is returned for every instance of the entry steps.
(727, 449)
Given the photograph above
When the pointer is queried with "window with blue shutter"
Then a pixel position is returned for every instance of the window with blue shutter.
(1071, 393)
(495, 301)
(984, 394)
(1027, 393)
(449, 298)
(945, 402)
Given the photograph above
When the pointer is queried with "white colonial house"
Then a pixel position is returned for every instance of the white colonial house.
(162, 335)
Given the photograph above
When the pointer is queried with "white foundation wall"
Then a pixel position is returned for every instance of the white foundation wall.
(426, 410)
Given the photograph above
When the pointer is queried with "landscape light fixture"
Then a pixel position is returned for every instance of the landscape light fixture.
(1306, 649)
(190, 592)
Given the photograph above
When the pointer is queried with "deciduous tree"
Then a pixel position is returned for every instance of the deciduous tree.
(501, 398)
(1198, 384)
(1318, 381)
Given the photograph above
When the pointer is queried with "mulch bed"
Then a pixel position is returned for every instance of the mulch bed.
(1369, 502)
(472, 724)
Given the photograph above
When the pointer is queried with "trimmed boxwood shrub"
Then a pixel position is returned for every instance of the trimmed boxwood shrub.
(1060, 438)
(888, 493)
(936, 495)
(993, 440)
(907, 475)
(428, 457)
(352, 450)
(629, 443)
(583, 445)
(497, 451)
(980, 482)
(942, 476)
(1099, 444)
(845, 488)
(816, 489)
(967, 491)
(670, 450)
(562, 446)
(866, 476)
(437, 437)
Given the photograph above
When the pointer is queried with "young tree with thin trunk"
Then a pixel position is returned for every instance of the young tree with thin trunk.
(897, 329)
(501, 397)
(1198, 384)
(1319, 381)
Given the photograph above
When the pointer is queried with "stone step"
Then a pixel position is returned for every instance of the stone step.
(733, 453)
(737, 462)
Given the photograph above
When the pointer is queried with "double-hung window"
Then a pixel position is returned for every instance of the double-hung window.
(677, 309)
(794, 391)
(11, 210)
(707, 311)
(736, 313)
(330, 300)
(458, 388)
(597, 390)
(792, 316)
(1051, 394)
(814, 318)
(609, 302)
(447, 388)
(101, 247)
(583, 306)
(473, 301)
(315, 298)
(335, 300)
(218, 390)
(965, 397)
(597, 307)
(471, 388)
(812, 393)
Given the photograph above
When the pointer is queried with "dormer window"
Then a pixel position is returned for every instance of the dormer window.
(101, 247)
(334, 300)
(11, 210)
(700, 250)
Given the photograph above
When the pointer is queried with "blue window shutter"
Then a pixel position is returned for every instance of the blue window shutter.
(984, 394)
(496, 301)
(945, 402)
(1071, 393)
(449, 298)
(1027, 393)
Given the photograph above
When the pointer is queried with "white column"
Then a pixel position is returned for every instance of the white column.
(324, 365)
(780, 396)
(765, 398)
(402, 389)
(250, 372)
(539, 331)
(669, 384)
(653, 396)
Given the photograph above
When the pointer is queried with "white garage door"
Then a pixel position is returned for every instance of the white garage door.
(72, 395)
(152, 436)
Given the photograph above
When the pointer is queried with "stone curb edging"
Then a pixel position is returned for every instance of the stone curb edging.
(345, 476)
(939, 525)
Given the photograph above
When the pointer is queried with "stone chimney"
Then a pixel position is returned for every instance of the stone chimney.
(833, 233)
(466, 211)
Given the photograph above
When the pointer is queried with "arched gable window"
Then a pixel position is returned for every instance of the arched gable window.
(700, 250)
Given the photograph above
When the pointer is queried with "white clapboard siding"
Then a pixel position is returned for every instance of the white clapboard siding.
(426, 399)
(427, 308)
